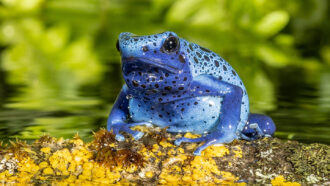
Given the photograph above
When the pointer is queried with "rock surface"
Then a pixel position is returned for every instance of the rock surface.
(154, 160)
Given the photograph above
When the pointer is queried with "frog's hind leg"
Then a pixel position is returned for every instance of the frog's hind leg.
(258, 126)
(225, 130)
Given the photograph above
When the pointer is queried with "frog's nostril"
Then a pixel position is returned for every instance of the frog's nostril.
(117, 46)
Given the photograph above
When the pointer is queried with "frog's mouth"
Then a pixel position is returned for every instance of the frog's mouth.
(146, 65)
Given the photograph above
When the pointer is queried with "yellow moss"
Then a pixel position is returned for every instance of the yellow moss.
(141, 128)
(280, 181)
(77, 141)
(113, 175)
(215, 151)
(78, 165)
(208, 166)
(5, 175)
(187, 179)
(144, 149)
(81, 155)
(149, 154)
(87, 171)
(238, 152)
(149, 174)
(45, 150)
(171, 171)
(99, 172)
(72, 167)
(200, 170)
(60, 160)
(42, 178)
(190, 135)
(180, 150)
(71, 179)
(162, 181)
(191, 146)
(103, 175)
(227, 177)
(27, 165)
(28, 150)
(22, 178)
(132, 168)
(173, 159)
(48, 171)
(159, 153)
(165, 144)
(26, 170)
(171, 179)
(171, 152)
(170, 175)
(43, 165)
(155, 148)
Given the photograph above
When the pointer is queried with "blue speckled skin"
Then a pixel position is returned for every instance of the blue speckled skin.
(189, 89)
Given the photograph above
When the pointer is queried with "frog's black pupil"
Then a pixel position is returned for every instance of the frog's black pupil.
(171, 44)
(117, 45)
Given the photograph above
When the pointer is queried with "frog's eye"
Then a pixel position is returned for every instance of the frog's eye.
(117, 45)
(171, 44)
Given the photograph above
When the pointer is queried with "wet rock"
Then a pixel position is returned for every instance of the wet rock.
(155, 160)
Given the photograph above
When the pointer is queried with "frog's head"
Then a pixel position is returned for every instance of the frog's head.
(155, 63)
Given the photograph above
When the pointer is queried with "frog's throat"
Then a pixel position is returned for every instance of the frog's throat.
(152, 62)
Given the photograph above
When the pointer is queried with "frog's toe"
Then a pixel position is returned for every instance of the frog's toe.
(137, 135)
(119, 128)
(139, 124)
(190, 140)
(178, 142)
(198, 151)
(119, 137)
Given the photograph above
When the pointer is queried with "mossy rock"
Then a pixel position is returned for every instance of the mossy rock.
(154, 160)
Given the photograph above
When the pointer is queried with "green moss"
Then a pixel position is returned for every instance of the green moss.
(311, 159)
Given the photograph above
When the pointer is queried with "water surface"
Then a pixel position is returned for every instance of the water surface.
(301, 110)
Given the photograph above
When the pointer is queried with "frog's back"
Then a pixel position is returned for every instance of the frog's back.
(204, 61)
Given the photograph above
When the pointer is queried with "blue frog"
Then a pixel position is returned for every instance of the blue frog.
(173, 83)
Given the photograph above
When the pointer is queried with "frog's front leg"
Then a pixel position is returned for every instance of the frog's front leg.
(117, 121)
(225, 131)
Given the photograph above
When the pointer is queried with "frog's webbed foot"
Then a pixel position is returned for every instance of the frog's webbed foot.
(124, 127)
(256, 135)
(210, 139)
(258, 126)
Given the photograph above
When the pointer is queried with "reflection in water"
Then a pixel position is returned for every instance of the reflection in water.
(299, 114)
(60, 72)
(303, 107)
(81, 115)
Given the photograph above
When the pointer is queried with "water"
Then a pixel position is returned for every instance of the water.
(302, 109)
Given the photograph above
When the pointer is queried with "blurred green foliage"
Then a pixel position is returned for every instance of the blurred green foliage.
(52, 49)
